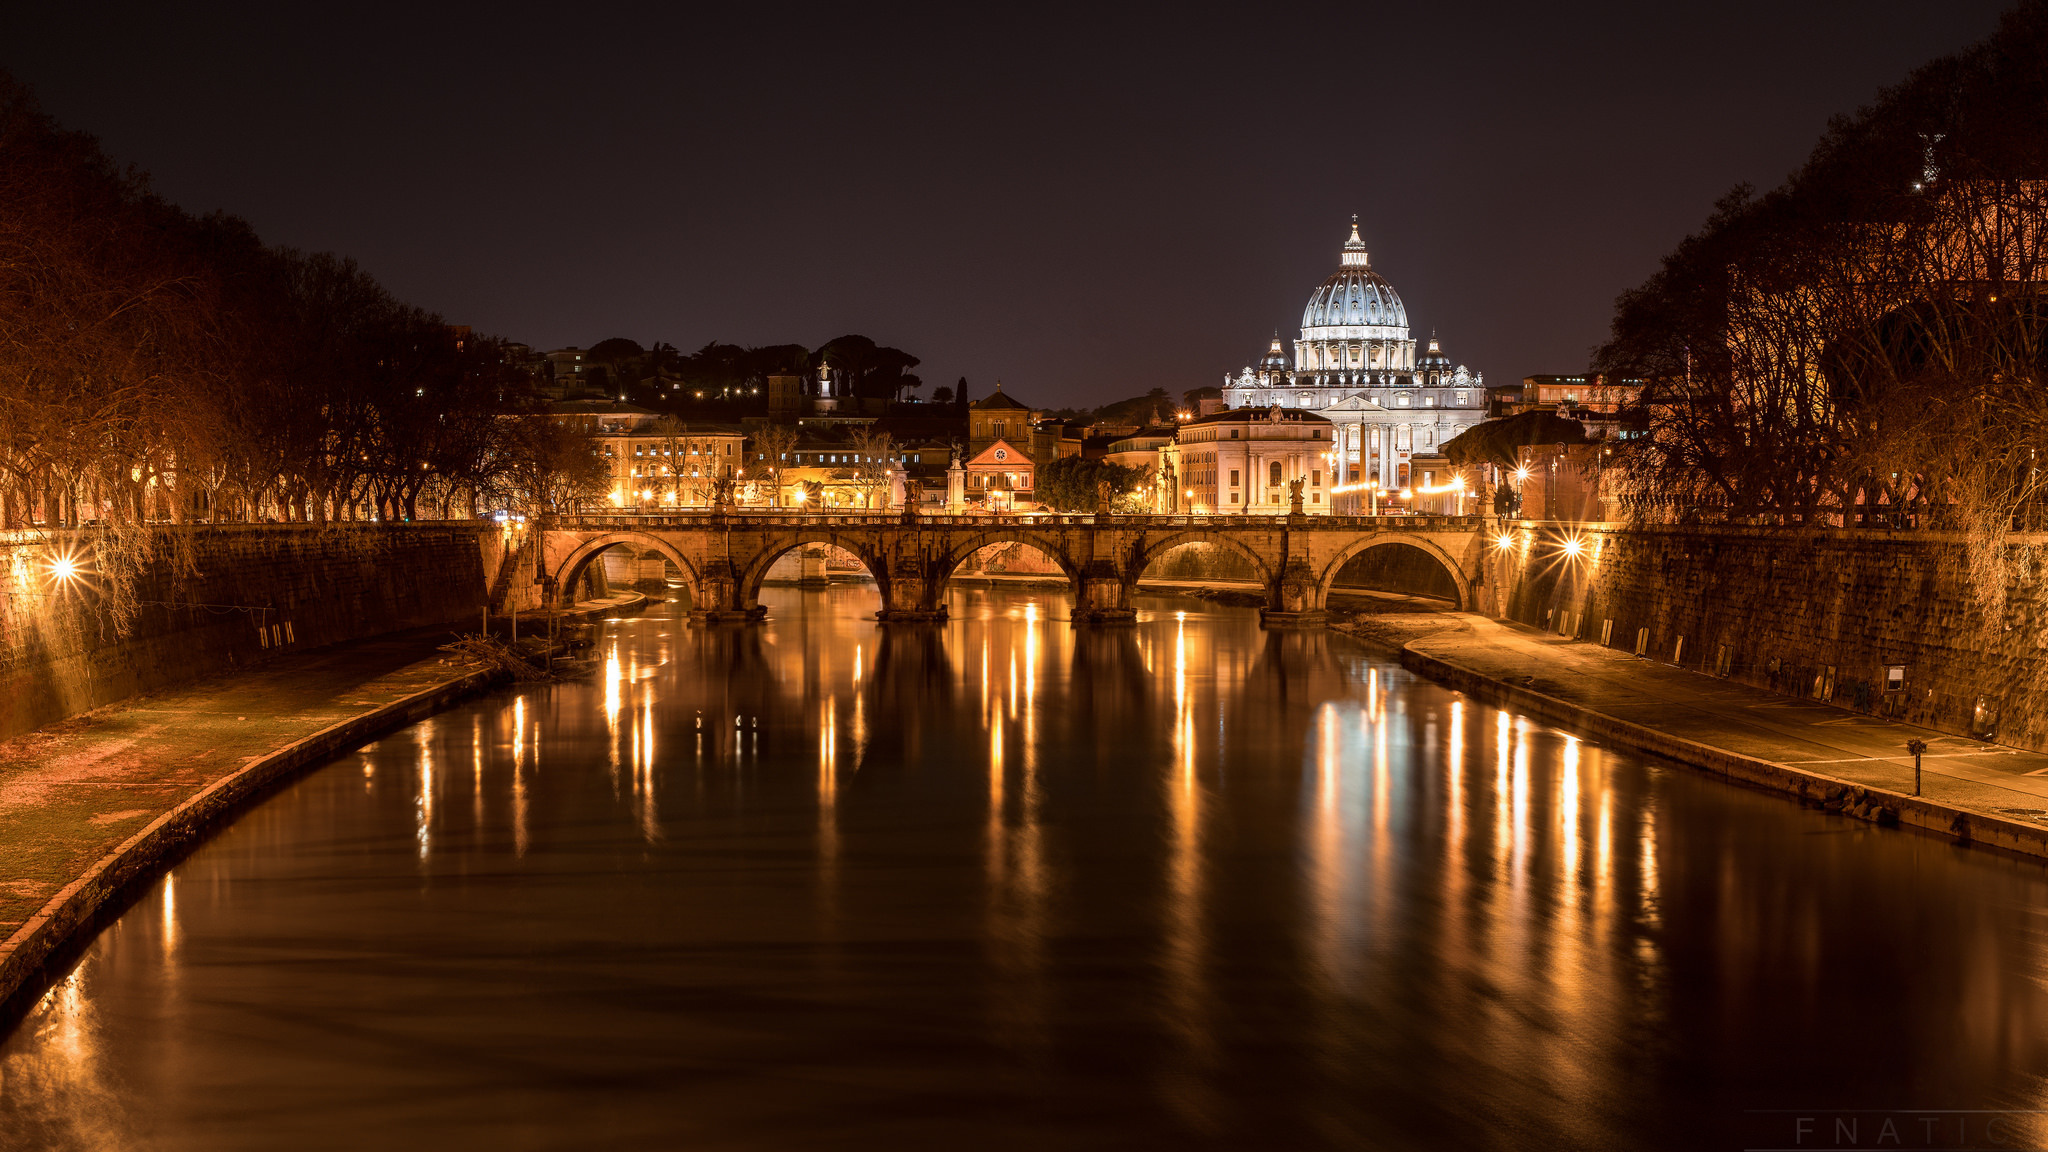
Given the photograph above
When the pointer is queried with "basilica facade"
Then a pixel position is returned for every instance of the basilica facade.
(1355, 364)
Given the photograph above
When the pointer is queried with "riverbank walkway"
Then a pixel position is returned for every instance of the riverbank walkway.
(1807, 735)
(74, 792)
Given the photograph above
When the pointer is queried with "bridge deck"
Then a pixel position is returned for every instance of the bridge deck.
(793, 519)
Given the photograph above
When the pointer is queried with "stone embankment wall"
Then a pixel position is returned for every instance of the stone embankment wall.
(1821, 614)
(212, 600)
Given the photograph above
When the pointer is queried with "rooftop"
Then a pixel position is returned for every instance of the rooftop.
(1274, 415)
(996, 399)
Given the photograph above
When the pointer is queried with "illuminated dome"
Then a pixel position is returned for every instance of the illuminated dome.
(1355, 329)
(1355, 297)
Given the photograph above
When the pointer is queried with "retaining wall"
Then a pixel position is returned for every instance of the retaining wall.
(1817, 614)
(217, 599)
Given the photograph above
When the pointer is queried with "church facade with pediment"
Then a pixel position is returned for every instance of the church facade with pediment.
(1355, 364)
(1001, 476)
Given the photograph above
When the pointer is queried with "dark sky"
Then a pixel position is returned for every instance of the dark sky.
(1085, 202)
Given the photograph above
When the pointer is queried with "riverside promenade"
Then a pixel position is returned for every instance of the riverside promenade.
(105, 799)
(1971, 790)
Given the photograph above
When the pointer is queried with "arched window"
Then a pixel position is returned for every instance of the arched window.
(1273, 472)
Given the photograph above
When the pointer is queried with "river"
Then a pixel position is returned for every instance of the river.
(1007, 884)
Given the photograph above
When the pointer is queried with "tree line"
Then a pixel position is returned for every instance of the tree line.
(157, 366)
(1864, 346)
(735, 377)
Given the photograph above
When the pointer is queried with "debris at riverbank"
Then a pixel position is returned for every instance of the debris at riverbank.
(525, 662)
(1231, 597)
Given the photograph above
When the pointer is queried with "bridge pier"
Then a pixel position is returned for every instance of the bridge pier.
(811, 572)
(1296, 600)
(650, 574)
(1102, 597)
(717, 600)
(910, 595)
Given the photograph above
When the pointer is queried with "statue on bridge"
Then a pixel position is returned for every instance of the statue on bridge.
(1294, 496)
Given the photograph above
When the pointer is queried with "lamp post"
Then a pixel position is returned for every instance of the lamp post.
(1916, 746)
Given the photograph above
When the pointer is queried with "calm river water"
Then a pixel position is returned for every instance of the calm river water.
(1005, 884)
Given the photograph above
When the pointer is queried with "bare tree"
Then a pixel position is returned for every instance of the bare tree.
(874, 458)
(773, 446)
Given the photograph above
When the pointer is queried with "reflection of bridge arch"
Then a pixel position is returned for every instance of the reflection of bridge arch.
(1153, 552)
(778, 546)
(1328, 578)
(571, 568)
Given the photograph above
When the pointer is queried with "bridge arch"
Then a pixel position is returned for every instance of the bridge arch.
(1460, 583)
(1037, 541)
(641, 543)
(782, 544)
(1152, 552)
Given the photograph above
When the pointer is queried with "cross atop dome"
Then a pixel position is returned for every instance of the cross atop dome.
(1354, 248)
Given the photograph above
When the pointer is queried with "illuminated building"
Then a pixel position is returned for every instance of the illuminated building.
(1244, 461)
(1355, 364)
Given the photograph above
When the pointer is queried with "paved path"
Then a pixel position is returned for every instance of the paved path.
(1803, 734)
(74, 791)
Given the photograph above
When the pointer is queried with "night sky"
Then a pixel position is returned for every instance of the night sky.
(1085, 205)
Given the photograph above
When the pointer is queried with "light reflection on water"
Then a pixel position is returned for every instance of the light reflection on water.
(1010, 883)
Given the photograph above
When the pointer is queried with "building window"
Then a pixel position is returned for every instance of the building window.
(1233, 433)
(1316, 478)
(1319, 498)
(1316, 434)
(1401, 401)
(1233, 497)
(1463, 397)
(1233, 480)
(1273, 473)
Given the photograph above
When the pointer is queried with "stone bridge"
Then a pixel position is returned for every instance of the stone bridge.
(724, 558)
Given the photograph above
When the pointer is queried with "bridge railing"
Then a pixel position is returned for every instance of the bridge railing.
(1254, 522)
